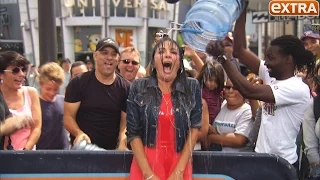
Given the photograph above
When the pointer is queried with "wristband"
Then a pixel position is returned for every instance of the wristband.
(221, 59)
(150, 177)
(178, 172)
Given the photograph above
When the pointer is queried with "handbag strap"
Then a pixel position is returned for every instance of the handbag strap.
(9, 146)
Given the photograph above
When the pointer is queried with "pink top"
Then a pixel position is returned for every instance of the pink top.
(20, 137)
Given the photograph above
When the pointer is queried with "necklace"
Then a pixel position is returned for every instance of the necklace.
(169, 111)
(165, 99)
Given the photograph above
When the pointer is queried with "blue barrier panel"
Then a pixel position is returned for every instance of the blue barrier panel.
(115, 165)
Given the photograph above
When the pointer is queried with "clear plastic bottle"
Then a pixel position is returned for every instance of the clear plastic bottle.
(210, 20)
(83, 145)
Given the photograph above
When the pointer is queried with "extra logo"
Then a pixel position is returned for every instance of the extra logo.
(294, 8)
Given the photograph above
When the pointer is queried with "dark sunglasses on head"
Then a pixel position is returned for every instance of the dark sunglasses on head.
(229, 87)
(127, 61)
(16, 70)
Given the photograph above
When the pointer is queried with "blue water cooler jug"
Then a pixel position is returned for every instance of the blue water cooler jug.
(210, 20)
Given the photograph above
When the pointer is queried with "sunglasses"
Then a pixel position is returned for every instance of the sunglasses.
(16, 70)
(127, 61)
(229, 87)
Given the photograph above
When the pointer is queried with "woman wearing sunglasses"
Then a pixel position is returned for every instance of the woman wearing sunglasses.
(234, 122)
(21, 100)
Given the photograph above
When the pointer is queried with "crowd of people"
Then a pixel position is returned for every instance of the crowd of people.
(164, 112)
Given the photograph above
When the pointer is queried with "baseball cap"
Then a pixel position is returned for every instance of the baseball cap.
(310, 34)
(107, 42)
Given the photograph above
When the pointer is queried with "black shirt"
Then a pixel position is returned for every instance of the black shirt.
(100, 108)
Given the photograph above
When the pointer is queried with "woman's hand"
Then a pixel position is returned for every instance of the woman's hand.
(155, 178)
(176, 175)
(22, 121)
(15, 123)
(152, 177)
(188, 51)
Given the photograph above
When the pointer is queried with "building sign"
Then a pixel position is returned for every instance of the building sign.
(8, 2)
(260, 17)
(154, 4)
(81, 3)
(264, 17)
(11, 45)
(315, 28)
(124, 37)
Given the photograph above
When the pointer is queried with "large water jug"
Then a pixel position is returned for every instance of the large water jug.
(210, 20)
(83, 145)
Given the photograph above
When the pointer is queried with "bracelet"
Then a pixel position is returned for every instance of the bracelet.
(179, 172)
(150, 177)
(221, 59)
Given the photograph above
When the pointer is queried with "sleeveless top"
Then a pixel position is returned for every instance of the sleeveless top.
(20, 137)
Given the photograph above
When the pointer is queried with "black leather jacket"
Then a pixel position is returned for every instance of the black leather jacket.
(143, 106)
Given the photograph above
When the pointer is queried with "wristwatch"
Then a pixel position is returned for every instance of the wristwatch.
(221, 59)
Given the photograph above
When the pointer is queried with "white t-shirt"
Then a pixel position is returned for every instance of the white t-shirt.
(281, 121)
(238, 121)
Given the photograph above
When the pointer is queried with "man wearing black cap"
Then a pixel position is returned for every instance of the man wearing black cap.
(95, 102)
(311, 43)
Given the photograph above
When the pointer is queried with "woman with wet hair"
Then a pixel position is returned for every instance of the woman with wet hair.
(21, 100)
(164, 114)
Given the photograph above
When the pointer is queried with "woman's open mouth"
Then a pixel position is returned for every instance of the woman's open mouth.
(167, 67)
